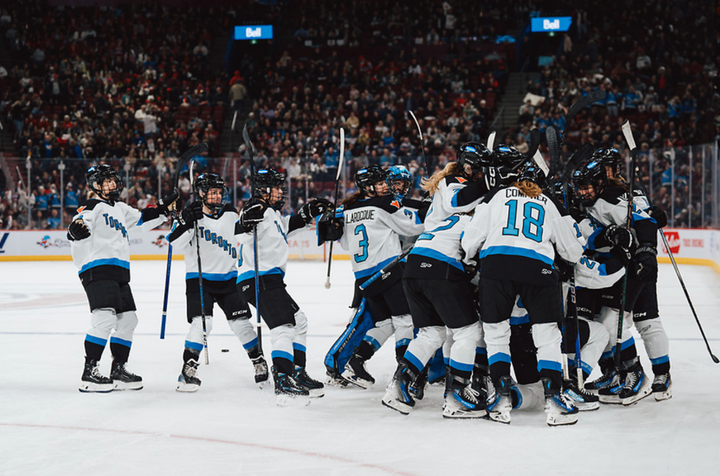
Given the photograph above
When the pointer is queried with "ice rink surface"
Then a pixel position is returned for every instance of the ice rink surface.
(232, 427)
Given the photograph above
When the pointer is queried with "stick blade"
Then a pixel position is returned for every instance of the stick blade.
(185, 157)
(627, 132)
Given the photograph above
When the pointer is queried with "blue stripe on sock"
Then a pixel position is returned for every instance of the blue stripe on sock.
(628, 343)
(373, 342)
(251, 344)
(607, 355)
(117, 340)
(660, 360)
(461, 366)
(498, 357)
(300, 347)
(193, 345)
(414, 361)
(279, 354)
(549, 365)
(96, 340)
(481, 350)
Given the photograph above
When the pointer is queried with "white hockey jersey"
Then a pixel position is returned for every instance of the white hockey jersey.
(611, 208)
(272, 244)
(437, 252)
(219, 249)
(105, 254)
(371, 233)
(452, 197)
(516, 237)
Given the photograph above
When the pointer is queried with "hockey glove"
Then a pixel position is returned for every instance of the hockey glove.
(471, 269)
(191, 214)
(314, 208)
(168, 204)
(646, 267)
(618, 236)
(253, 212)
(659, 215)
(78, 230)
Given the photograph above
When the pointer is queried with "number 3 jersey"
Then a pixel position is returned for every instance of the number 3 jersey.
(105, 254)
(372, 229)
(219, 248)
(516, 237)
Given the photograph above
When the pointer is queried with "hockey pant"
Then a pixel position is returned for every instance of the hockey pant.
(628, 352)
(547, 339)
(103, 321)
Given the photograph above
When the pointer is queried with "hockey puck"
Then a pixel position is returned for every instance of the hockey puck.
(226, 350)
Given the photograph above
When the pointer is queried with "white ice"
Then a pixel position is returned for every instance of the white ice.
(231, 427)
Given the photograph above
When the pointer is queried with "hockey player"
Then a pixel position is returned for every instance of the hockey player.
(216, 224)
(373, 221)
(645, 313)
(605, 202)
(288, 324)
(517, 231)
(101, 251)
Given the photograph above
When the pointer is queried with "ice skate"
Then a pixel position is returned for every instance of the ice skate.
(462, 401)
(315, 388)
(94, 382)
(499, 404)
(417, 387)
(188, 381)
(662, 387)
(288, 391)
(560, 410)
(601, 382)
(609, 394)
(261, 370)
(335, 380)
(123, 379)
(397, 396)
(582, 399)
(637, 386)
(356, 373)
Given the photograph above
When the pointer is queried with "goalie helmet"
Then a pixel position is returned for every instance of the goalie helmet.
(96, 177)
(476, 156)
(206, 182)
(611, 159)
(398, 179)
(589, 180)
(366, 179)
(267, 180)
(505, 167)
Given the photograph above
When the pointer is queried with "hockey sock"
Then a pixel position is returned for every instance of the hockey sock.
(120, 351)
(93, 351)
(661, 368)
(299, 355)
(365, 350)
(283, 365)
(400, 351)
(253, 352)
(190, 354)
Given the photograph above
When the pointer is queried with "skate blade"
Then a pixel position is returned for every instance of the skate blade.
(120, 386)
(661, 396)
(463, 415)
(336, 382)
(644, 392)
(560, 420)
(397, 405)
(587, 406)
(500, 417)
(187, 388)
(364, 384)
(292, 401)
(96, 388)
(316, 393)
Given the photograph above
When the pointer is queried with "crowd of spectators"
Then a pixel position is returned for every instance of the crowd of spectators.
(364, 67)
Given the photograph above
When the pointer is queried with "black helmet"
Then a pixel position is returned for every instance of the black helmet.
(531, 172)
(208, 181)
(610, 158)
(591, 174)
(96, 176)
(367, 178)
(474, 154)
(398, 179)
(504, 168)
(265, 181)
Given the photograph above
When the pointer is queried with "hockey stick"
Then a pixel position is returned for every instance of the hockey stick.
(182, 160)
(578, 158)
(491, 141)
(534, 142)
(337, 192)
(251, 155)
(422, 144)
(200, 278)
(677, 273)
(627, 132)
(384, 270)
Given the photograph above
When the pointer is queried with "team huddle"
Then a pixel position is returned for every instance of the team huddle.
(515, 287)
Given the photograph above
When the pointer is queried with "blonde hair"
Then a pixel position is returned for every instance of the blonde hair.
(528, 188)
(618, 182)
(431, 184)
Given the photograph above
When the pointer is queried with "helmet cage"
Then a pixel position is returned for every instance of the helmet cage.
(398, 179)
(590, 174)
(367, 178)
(206, 182)
(96, 177)
(265, 181)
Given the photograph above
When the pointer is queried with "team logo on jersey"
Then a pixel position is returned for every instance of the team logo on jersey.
(160, 241)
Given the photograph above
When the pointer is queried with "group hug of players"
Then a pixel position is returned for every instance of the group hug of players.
(484, 282)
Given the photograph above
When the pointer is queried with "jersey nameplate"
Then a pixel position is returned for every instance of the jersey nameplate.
(513, 192)
(360, 216)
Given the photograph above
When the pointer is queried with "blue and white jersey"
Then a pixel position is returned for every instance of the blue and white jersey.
(611, 208)
(372, 229)
(516, 237)
(437, 252)
(219, 249)
(455, 194)
(105, 254)
(272, 244)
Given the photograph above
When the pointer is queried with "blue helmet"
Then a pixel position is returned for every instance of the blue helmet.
(398, 179)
